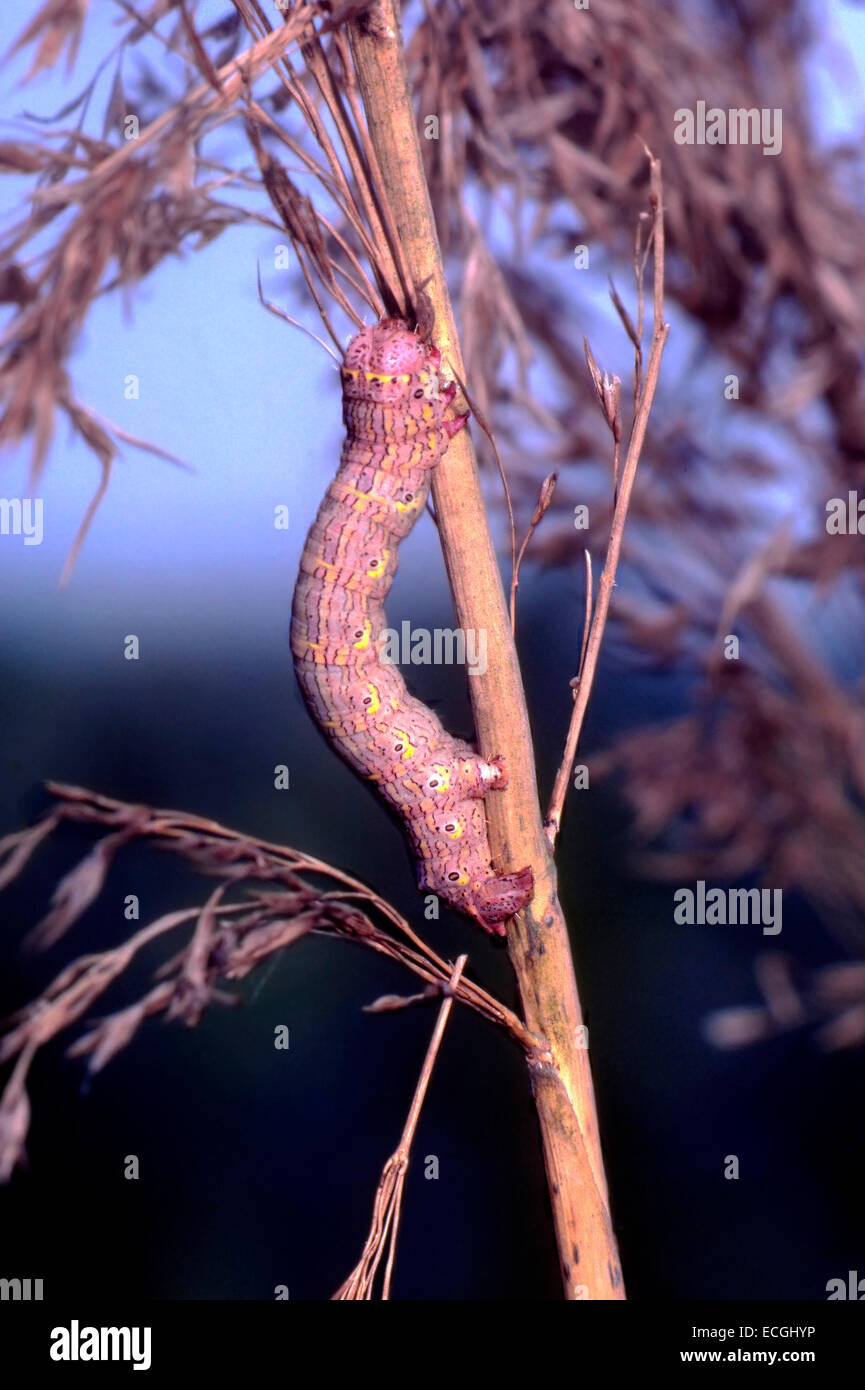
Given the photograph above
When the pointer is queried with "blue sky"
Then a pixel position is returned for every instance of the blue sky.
(250, 403)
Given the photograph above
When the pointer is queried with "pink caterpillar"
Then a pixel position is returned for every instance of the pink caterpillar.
(394, 409)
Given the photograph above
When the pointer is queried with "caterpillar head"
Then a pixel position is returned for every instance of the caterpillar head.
(497, 899)
(387, 362)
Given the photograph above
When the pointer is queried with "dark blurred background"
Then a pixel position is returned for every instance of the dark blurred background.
(258, 1166)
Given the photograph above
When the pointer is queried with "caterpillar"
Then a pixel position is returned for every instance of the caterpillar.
(394, 410)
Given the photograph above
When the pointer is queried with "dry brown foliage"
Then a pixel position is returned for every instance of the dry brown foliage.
(832, 1000)
(544, 118)
(268, 899)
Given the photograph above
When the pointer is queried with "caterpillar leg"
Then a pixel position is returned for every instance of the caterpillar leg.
(497, 899)
(448, 392)
(452, 427)
(478, 776)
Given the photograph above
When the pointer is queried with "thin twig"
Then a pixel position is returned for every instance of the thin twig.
(607, 581)
(295, 323)
(545, 497)
(388, 1198)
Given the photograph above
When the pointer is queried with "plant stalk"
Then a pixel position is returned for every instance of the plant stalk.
(538, 939)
